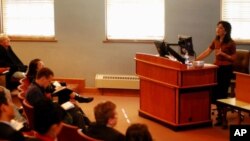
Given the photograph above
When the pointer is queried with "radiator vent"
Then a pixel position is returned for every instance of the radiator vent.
(116, 81)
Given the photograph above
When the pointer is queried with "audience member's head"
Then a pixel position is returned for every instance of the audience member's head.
(48, 117)
(6, 107)
(34, 66)
(138, 132)
(44, 77)
(105, 114)
(7, 113)
(4, 40)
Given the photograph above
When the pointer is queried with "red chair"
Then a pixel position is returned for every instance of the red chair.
(21, 96)
(85, 137)
(68, 133)
(29, 112)
(24, 84)
(72, 133)
(25, 81)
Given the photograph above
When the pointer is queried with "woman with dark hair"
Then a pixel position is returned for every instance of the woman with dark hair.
(138, 132)
(34, 66)
(225, 54)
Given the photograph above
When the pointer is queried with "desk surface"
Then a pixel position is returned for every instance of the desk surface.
(235, 103)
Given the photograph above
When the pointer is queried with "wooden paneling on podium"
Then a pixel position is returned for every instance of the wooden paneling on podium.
(173, 94)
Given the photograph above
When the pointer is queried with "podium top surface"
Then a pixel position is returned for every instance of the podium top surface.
(165, 62)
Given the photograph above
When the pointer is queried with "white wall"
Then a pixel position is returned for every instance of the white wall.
(80, 30)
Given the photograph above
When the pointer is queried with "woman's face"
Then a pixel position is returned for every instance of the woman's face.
(40, 65)
(220, 30)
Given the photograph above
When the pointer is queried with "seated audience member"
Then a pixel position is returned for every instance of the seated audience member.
(35, 65)
(138, 132)
(9, 59)
(106, 119)
(37, 91)
(7, 132)
(17, 111)
(48, 117)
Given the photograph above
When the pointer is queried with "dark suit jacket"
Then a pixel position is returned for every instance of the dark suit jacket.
(75, 116)
(9, 59)
(10, 134)
(103, 132)
(35, 93)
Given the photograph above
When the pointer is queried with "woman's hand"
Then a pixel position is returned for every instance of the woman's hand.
(222, 54)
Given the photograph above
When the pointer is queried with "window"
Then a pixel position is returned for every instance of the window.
(135, 19)
(237, 12)
(28, 19)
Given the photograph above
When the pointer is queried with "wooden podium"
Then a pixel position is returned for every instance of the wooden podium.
(173, 94)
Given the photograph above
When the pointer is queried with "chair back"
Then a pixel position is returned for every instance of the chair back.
(21, 96)
(68, 133)
(85, 137)
(29, 112)
(241, 63)
(73, 133)
(24, 84)
(25, 81)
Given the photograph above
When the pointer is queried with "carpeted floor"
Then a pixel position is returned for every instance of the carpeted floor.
(127, 108)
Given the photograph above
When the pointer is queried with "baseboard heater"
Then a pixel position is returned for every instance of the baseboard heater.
(117, 81)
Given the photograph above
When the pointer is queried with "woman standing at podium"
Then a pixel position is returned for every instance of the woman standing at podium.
(225, 53)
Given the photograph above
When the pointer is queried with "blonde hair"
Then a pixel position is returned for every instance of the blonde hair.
(3, 37)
